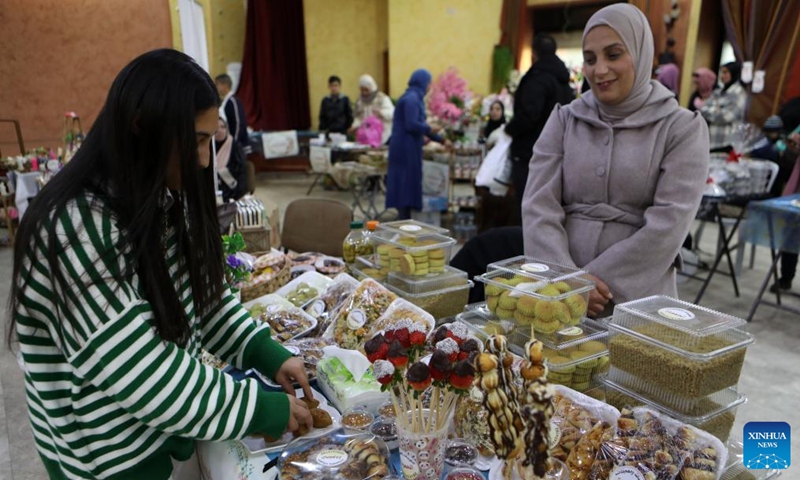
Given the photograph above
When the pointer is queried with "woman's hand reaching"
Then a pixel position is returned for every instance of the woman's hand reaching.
(599, 297)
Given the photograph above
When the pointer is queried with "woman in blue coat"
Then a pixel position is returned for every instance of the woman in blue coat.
(409, 129)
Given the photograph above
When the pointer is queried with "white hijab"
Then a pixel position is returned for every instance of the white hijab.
(631, 25)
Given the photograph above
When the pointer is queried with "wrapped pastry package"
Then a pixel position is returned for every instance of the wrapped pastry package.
(324, 307)
(354, 319)
(575, 415)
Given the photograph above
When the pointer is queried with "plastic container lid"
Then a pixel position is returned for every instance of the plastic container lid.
(451, 277)
(430, 241)
(356, 225)
(524, 264)
(529, 283)
(326, 455)
(411, 228)
(695, 332)
(372, 225)
(693, 409)
(682, 316)
(460, 452)
(363, 267)
(585, 331)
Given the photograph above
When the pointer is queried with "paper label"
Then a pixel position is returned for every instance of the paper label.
(758, 82)
(554, 435)
(535, 267)
(626, 473)
(317, 308)
(331, 458)
(411, 228)
(293, 350)
(356, 319)
(678, 314)
(408, 461)
(747, 72)
(571, 331)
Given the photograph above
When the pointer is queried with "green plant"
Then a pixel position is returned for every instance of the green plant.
(235, 270)
(502, 64)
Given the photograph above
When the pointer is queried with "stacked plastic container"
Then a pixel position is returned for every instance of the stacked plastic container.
(526, 296)
(681, 359)
(411, 259)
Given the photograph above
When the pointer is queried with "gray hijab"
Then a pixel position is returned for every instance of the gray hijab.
(631, 25)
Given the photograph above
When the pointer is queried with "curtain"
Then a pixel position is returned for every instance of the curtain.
(274, 83)
(512, 26)
(765, 33)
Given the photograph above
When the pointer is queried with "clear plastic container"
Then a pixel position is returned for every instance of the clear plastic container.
(385, 429)
(439, 303)
(547, 300)
(357, 418)
(333, 454)
(464, 473)
(566, 339)
(450, 277)
(481, 327)
(412, 255)
(714, 414)
(682, 348)
(735, 470)
(577, 369)
(412, 228)
(460, 452)
(525, 265)
(364, 268)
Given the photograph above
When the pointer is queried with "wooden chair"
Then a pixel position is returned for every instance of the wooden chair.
(316, 225)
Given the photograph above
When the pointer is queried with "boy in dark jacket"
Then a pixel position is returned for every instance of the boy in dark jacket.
(335, 113)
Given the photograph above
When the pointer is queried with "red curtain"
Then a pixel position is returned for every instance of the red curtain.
(274, 83)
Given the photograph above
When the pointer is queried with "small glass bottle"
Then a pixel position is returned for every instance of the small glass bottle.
(352, 242)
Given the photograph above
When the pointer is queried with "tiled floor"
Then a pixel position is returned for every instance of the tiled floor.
(769, 379)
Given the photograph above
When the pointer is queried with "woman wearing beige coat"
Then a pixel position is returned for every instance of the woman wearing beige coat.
(373, 102)
(617, 175)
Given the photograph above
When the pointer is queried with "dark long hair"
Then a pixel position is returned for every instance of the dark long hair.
(148, 118)
(735, 69)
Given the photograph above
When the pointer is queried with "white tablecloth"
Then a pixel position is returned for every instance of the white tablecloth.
(27, 187)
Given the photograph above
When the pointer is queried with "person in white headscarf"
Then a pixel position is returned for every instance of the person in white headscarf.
(373, 102)
(617, 176)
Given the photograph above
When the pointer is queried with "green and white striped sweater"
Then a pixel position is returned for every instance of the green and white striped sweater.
(107, 397)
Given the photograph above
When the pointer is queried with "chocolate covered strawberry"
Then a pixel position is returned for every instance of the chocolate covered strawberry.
(419, 376)
(468, 349)
(440, 334)
(397, 354)
(383, 371)
(376, 348)
(458, 332)
(440, 366)
(463, 375)
(450, 347)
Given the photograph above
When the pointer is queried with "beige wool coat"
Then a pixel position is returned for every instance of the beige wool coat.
(617, 200)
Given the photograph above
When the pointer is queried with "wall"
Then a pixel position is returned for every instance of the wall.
(436, 34)
(62, 56)
(225, 29)
(346, 38)
(709, 36)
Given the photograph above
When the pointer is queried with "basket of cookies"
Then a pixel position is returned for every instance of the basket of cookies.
(271, 271)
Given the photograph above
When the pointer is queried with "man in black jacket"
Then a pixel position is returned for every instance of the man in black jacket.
(545, 85)
(335, 113)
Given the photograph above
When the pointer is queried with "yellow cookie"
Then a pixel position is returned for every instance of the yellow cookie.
(420, 273)
(436, 253)
(407, 265)
(435, 262)
(383, 249)
(419, 253)
(395, 253)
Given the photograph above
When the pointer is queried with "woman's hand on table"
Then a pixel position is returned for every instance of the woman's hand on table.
(299, 414)
(293, 371)
(599, 297)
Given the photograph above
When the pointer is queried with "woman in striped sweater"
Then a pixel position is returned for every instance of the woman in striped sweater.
(118, 284)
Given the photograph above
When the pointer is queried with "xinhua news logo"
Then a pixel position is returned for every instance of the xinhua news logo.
(767, 445)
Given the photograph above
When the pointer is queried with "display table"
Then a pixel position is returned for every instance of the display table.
(774, 224)
(232, 460)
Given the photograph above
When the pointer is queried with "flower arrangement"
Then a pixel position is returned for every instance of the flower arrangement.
(32, 161)
(448, 96)
(396, 361)
(236, 272)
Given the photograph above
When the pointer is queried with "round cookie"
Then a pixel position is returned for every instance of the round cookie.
(436, 253)
(491, 302)
(577, 306)
(559, 360)
(523, 319)
(562, 287)
(504, 313)
(507, 301)
(542, 326)
(527, 305)
(555, 312)
(593, 346)
(407, 265)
